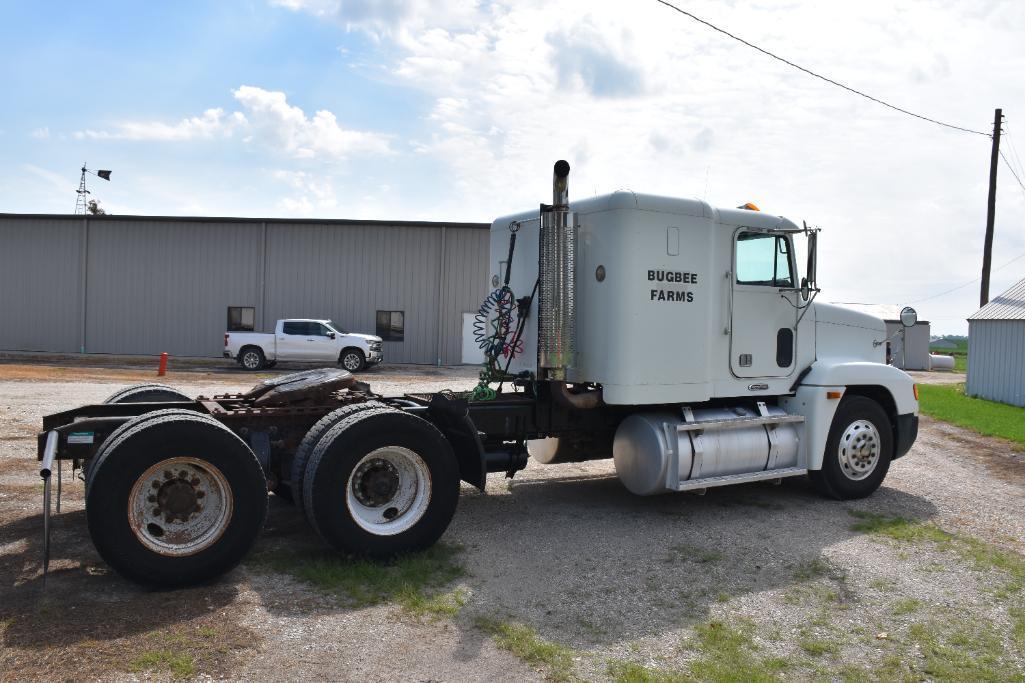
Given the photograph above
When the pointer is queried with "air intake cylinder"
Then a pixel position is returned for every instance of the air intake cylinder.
(556, 324)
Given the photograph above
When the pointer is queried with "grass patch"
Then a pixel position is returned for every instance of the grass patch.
(968, 653)
(813, 569)
(728, 655)
(816, 647)
(180, 664)
(905, 606)
(949, 403)
(982, 556)
(631, 672)
(1017, 615)
(412, 580)
(524, 642)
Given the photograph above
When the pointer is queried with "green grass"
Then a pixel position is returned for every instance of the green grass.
(413, 581)
(949, 403)
(523, 641)
(905, 606)
(960, 355)
(181, 665)
(981, 555)
(631, 672)
(728, 655)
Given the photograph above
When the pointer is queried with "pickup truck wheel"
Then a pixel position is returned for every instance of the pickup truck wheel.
(251, 358)
(309, 442)
(147, 393)
(352, 360)
(381, 483)
(174, 499)
(858, 450)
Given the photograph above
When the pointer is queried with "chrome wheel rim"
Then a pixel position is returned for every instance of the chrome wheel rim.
(859, 450)
(350, 362)
(180, 506)
(388, 491)
(251, 360)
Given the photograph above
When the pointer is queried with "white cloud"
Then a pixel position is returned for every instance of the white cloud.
(40, 133)
(213, 123)
(672, 107)
(267, 118)
(287, 127)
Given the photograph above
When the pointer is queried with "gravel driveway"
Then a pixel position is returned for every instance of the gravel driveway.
(565, 575)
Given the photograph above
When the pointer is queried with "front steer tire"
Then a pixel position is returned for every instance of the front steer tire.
(167, 461)
(381, 483)
(352, 360)
(858, 452)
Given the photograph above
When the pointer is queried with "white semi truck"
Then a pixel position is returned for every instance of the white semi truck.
(677, 339)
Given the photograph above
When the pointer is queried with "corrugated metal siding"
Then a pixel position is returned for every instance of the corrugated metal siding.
(996, 360)
(1009, 305)
(166, 286)
(348, 274)
(466, 285)
(40, 277)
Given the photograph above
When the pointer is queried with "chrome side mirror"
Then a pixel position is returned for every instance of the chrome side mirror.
(805, 289)
(908, 316)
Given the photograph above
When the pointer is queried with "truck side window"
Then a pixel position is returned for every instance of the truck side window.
(763, 260)
(298, 329)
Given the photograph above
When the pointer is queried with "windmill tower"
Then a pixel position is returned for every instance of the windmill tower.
(82, 201)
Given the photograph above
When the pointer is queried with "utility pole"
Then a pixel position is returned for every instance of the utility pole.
(987, 250)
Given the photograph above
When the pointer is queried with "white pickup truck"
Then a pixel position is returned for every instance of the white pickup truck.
(303, 340)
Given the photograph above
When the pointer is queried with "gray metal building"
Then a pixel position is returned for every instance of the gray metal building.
(148, 284)
(996, 348)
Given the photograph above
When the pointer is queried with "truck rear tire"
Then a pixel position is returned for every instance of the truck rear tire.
(352, 360)
(174, 499)
(147, 393)
(859, 449)
(381, 483)
(309, 442)
(251, 358)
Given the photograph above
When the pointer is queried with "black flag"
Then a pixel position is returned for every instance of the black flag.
(103, 174)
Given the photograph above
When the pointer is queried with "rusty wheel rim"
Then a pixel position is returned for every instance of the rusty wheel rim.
(180, 506)
(388, 491)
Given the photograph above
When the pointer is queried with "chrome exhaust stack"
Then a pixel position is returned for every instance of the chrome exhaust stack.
(557, 266)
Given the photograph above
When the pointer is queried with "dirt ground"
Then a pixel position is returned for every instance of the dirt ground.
(599, 583)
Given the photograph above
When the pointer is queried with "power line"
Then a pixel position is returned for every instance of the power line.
(816, 75)
(1011, 169)
(970, 282)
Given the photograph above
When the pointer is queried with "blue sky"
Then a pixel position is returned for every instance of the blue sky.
(434, 109)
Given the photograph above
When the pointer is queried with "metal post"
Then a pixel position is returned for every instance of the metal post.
(987, 250)
(441, 296)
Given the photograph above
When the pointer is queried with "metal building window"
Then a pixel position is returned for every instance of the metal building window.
(391, 325)
(241, 318)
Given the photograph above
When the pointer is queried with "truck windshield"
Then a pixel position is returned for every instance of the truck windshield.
(331, 326)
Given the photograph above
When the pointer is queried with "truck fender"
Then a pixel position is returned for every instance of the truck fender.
(892, 388)
(452, 418)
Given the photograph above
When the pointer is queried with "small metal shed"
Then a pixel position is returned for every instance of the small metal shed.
(908, 350)
(996, 343)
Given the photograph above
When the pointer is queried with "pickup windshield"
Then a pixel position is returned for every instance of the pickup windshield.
(336, 328)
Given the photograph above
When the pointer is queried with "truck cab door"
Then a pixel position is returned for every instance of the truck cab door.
(763, 337)
(292, 344)
(322, 344)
